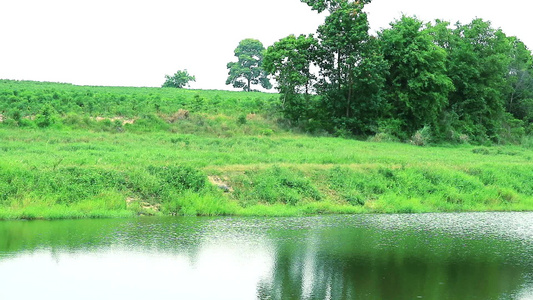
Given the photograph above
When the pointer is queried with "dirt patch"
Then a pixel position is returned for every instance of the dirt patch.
(113, 119)
(129, 201)
(181, 114)
(221, 183)
(145, 206)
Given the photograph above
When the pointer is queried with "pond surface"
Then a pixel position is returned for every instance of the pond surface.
(428, 256)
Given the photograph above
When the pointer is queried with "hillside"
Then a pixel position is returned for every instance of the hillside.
(74, 151)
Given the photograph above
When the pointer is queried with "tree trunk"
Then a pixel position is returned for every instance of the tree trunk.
(350, 92)
(339, 74)
(349, 101)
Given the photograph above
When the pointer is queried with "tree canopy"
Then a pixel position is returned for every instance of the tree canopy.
(180, 79)
(248, 70)
(417, 83)
(467, 82)
(289, 60)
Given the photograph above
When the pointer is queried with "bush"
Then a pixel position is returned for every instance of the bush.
(383, 137)
(241, 120)
(278, 185)
(179, 178)
(47, 116)
(198, 204)
(422, 137)
(527, 141)
(149, 122)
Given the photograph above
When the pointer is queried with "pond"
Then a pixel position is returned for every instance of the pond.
(426, 256)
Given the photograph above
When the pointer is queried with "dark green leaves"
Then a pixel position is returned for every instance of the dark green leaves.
(180, 79)
(332, 5)
(464, 82)
(417, 83)
(248, 68)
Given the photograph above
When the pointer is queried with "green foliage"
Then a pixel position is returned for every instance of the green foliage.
(48, 116)
(198, 204)
(54, 173)
(352, 70)
(478, 63)
(332, 5)
(350, 76)
(180, 79)
(179, 178)
(417, 83)
(126, 109)
(276, 185)
(289, 60)
(467, 83)
(519, 98)
(248, 69)
(241, 120)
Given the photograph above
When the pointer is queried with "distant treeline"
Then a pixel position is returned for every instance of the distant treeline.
(413, 81)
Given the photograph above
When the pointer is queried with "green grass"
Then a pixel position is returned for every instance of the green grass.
(29, 98)
(52, 173)
(168, 164)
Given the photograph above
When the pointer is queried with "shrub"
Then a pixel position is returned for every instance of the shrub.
(47, 116)
(279, 185)
(241, 120)
(422, 137)
(179, 178)
(149, 122)
(383, 137)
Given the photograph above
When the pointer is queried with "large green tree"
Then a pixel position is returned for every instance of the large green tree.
(289, 60)
(332, 5)
(519, 96)
(180, 79)
(348, 71)
(351, 69)
(478, 65)
(417, 84)
(248, 69)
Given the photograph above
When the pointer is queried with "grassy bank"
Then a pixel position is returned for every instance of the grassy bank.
(150, 151)
(72, 174)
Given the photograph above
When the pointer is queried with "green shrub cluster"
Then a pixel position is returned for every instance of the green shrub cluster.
(275, 185)
(83, 191)
(420, 189)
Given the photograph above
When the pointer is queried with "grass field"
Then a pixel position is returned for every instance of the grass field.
(232, 158)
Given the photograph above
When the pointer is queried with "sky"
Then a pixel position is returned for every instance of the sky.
(138, 42)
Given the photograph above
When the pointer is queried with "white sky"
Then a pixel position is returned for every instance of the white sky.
(137, 42)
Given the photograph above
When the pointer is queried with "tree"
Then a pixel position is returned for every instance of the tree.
(478, 64)
(332, 5)
(348, 80)
(180, 79)
(417, 84)
(289, 60)
(351, 70)
(519, 99)
(248, 69)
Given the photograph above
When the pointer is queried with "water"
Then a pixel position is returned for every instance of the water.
(429, 256)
